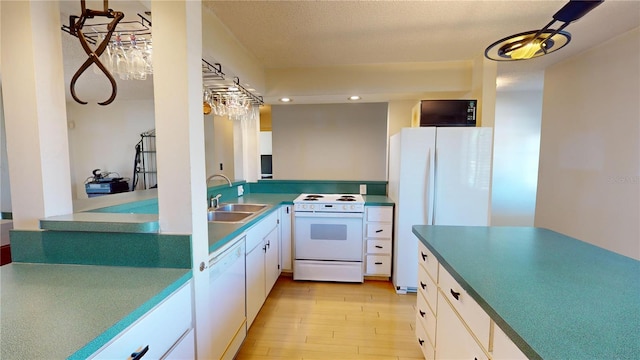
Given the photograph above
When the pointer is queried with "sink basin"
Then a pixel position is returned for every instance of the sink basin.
(227, 216)
(241, 207)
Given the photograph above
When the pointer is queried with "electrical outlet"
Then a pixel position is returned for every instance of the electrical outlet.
(363, 189)
(240, 190)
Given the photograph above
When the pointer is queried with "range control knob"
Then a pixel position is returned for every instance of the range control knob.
(311, 207)
(304, 206)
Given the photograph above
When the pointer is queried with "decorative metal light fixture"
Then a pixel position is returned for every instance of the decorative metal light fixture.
(534, 43)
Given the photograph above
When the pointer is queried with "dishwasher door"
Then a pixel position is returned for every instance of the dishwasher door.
(227, 319)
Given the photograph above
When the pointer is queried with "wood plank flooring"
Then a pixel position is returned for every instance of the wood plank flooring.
(319, 320)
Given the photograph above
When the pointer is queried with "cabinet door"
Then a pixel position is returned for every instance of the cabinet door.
(271, 261)
(255, 282)
(286, 263)
(453, 340)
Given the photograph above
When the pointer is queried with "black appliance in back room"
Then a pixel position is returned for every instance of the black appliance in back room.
(448, 112)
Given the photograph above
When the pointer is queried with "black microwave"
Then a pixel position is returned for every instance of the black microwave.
(448, 112)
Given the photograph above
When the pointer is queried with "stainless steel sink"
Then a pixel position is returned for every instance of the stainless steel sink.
(227, 216)
(241, 207)
(235, 213)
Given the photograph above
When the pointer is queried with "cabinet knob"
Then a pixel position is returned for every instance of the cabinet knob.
(139, 354)
(423, 285)
(422, 313)
(420, 341)
(424, 256)
(455, 294)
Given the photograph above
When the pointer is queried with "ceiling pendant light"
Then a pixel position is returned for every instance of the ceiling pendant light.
(536, 43)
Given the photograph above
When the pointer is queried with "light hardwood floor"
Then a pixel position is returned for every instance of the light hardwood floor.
(320, 320)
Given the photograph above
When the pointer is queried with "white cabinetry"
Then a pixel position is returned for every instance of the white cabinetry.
(161, 330)
(262, 263)
(378, 229)
(286, 256)
(503, 347)
(449, 322)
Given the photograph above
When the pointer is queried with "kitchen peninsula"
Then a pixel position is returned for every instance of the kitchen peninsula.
(78, 278)
(555, 297)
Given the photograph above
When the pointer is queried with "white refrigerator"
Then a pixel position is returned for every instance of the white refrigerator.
(437, 176)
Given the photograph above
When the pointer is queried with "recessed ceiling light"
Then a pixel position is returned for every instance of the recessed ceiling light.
(285, 100)
(354, 97)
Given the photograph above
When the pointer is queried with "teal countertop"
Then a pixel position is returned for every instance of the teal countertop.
(60, 311)
(555, 297)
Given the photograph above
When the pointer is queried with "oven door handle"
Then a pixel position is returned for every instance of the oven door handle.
(308, 214)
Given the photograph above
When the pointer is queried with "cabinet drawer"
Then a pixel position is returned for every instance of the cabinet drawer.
(473, 315)
(428, 261)
(426, 317)
(380, 213)
(425, 344)
(454, 340)
(257, 232)
(428, 289)
(378, 265)
(378, 230)
(379, 247)
(160, 328)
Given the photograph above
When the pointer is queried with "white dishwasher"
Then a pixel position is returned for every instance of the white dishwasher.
(227, 300)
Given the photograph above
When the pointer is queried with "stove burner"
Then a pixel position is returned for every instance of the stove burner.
(346, 198)
(310, 199)
(312, 196)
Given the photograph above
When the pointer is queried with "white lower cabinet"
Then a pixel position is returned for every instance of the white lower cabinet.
(378, 229)
(453, 339)
(262, 263)
(160, 331)
(450, 324)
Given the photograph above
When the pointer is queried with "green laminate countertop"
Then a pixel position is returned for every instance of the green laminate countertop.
(102, 222)
(556, 297)
(60, 311)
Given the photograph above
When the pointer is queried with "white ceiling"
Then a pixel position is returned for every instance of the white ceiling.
(300, 34)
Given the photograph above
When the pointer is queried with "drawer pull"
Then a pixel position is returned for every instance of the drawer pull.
(420, 341)
(455, 294)
(378, 263)
(269, 244)
(422, 313)
(423, 285)
(138, 355)
(424, 256)
(379, 231)
(378, 246)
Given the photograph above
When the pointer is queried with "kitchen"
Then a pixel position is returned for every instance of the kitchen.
(552, 197)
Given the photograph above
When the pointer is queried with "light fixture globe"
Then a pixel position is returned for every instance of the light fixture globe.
(527, 45)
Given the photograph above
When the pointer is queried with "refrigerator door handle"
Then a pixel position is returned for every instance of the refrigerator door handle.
(430, 183)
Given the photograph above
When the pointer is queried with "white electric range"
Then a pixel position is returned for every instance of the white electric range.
(328, 237)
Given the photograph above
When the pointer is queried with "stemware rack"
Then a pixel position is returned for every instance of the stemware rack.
(213, 78)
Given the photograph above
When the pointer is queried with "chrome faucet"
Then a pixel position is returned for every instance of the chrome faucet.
(214, 201)
(219, 175)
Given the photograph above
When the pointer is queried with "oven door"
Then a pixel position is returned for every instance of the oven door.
(328, 236)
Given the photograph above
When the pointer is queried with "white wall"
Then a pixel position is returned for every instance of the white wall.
(104, 137)
(589, 178)
(218, 143)
(5, 185)
(516, 147)
(330, 141)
